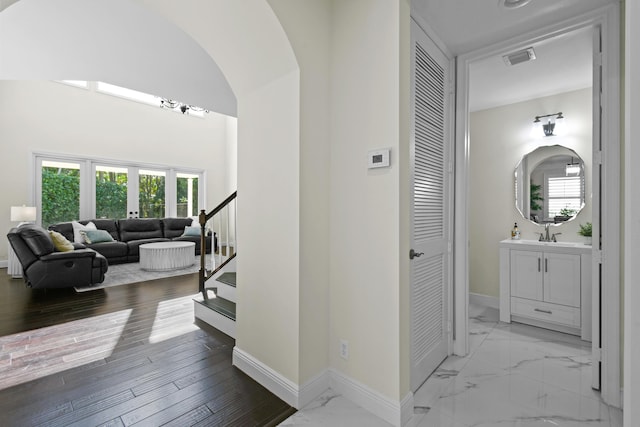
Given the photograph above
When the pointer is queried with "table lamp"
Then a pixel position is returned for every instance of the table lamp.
(23, 214)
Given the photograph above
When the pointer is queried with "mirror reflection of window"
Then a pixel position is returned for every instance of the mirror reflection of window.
(550, 185)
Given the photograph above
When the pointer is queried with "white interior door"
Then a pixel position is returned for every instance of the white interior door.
(430, 206)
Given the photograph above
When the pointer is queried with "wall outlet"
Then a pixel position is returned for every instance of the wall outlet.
(344, 349)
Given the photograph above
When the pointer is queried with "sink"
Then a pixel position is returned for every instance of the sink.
(569, 244)
(537, 242)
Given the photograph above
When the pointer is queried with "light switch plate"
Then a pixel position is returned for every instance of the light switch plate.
(378, 158)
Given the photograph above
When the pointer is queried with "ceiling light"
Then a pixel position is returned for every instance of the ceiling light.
(512, 4)
(572, 168)
(179, 106)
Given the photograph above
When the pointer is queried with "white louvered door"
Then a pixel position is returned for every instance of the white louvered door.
(431, 209)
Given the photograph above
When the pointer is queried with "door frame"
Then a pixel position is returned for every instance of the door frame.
(607, 19)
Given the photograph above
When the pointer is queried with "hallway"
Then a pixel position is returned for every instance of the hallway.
(514, 375)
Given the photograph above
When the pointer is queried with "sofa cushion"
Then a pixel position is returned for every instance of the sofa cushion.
(137, 228)
(61, 243)
(77, 228)
(64, 228)
(110, 225)
(111, 250)
(192, 231)
(96, 236)
(174, 227)
(37, 239)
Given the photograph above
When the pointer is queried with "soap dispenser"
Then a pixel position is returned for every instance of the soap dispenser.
(515, 233)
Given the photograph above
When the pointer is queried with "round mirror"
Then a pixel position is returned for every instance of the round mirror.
(549, 185)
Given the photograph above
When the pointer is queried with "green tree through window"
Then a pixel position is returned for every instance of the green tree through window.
(111, 193)
(151, 196)
(60, 194)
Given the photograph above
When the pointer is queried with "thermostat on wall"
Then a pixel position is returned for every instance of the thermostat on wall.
(378, 158)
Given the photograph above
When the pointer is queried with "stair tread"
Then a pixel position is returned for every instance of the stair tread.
(220, 305)
(228, 278)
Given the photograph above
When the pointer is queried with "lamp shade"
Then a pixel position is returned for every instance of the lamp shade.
(23, 213)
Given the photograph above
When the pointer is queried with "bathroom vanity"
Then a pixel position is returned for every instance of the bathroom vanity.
(546, 284)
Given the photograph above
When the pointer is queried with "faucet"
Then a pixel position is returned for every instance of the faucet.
(545, 237)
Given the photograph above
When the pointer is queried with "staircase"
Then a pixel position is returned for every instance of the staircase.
(218, 309)
(216, 304)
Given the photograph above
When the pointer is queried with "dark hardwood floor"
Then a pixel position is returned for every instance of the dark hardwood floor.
(121, 356)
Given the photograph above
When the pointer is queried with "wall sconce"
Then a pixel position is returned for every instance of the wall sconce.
(549, 123)
(23, 214)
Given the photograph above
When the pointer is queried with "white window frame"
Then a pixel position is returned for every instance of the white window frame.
(547, 177)
(88, 184)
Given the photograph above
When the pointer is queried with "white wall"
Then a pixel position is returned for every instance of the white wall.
(499, 137)
(308, 27)
(252, 50)
(365, 204)
(46, 116)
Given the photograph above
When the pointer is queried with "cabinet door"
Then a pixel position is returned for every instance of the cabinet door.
(562, 279)
(526, 274)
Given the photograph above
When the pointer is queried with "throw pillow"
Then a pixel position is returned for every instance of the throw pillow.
(191, 231)
(60, 242)
(96, 236)
(77, 238)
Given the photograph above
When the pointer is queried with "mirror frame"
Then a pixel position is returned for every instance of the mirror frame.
(523, 168)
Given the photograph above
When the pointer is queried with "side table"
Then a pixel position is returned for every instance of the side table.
(14, 269)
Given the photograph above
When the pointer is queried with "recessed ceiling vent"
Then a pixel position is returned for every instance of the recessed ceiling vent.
(520, 56)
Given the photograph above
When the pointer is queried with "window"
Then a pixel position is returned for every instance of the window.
(131, 94)
(134, 95)
(146, 98)
(151, 194)
(70, 188)
(563, 192)
(111, 191)
(60, 183)
(187, 194)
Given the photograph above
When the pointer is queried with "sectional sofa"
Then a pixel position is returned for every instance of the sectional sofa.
(45, 267)
(128, 234)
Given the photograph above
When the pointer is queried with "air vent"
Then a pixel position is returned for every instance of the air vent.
(520, 56)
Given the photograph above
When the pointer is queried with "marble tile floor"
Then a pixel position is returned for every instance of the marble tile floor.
(514, 376)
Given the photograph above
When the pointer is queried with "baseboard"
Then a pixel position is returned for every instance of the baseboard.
(314, 388)
(484, 300)
(4, 264)
(394, 412)
(406, 409)
(273, 381)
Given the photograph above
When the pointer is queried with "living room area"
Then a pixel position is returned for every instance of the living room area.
(86, 354)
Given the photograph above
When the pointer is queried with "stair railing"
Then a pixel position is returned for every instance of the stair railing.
(222, 222)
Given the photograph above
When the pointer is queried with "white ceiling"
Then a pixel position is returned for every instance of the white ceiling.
(466, 25)
(115, 41)
(75, 39)
(563, 64)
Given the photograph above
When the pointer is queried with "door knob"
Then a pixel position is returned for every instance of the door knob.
(413, 254)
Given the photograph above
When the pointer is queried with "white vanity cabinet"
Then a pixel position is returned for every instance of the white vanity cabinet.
(546, 284)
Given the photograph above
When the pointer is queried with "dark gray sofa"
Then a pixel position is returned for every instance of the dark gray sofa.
(44, 267)
(130, 233)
